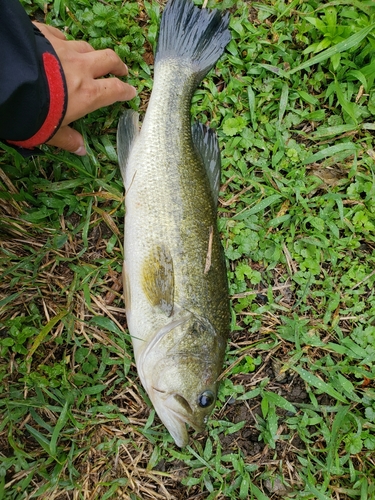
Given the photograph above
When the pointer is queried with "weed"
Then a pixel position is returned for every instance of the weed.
(293, 104)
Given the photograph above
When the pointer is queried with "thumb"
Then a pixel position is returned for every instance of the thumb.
(69, 139)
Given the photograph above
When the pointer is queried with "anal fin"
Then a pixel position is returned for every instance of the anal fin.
(207, 146)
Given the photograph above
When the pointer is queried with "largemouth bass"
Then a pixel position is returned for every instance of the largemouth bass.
(175, 281)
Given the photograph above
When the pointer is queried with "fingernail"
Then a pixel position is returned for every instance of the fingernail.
(126, 69)
(81, 151)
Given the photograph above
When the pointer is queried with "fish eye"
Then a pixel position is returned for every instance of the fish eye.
(206, 399)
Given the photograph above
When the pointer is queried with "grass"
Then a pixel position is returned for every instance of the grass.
(293, 104)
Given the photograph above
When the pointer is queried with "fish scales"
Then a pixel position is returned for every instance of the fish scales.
(174, 271)
(176, 203)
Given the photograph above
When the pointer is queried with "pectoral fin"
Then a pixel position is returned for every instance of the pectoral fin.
(206, 145)
(158, 279)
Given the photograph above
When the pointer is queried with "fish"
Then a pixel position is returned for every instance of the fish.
(174, 273)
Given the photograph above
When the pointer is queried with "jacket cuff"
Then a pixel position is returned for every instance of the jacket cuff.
(56, 84)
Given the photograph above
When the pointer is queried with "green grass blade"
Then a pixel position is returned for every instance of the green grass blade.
(349, 147)
(343, 46)
(45, 331)
(262, 205)
(63, 418)
(10, 298)
(252, 107)
(42, 440)
(283, 101)
(315, 381)
(279, 401)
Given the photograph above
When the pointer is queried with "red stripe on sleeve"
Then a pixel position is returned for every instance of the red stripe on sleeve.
(56, 112)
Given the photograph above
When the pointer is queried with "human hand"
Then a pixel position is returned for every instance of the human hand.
(83, 66)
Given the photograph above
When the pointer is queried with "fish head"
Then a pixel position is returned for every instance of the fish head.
(182, 383)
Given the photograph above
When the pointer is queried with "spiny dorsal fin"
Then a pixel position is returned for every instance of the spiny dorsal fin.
(127, 132)
(207, 146)
(158, 279)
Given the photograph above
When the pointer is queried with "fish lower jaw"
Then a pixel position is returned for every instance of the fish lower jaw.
(175, 422)
(187, 421)
(176, 425)
(182, 438)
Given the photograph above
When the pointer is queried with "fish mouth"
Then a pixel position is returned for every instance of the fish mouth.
(175, 412)
(179, 430)
(188, 417)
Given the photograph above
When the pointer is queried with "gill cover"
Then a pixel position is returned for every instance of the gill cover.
(179, 370)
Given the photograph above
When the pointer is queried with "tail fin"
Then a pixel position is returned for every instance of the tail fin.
(192, 35)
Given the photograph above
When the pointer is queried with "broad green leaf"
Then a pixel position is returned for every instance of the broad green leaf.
(233, 126)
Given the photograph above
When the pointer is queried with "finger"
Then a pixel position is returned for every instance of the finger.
(102, 92)
(105, 62)
(44, 28)
(80, 46)
(113, 90)
(69, 139)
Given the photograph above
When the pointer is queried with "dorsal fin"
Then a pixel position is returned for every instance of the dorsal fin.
(127, 132)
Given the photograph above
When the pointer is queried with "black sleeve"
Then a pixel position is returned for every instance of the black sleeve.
(33, 94)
